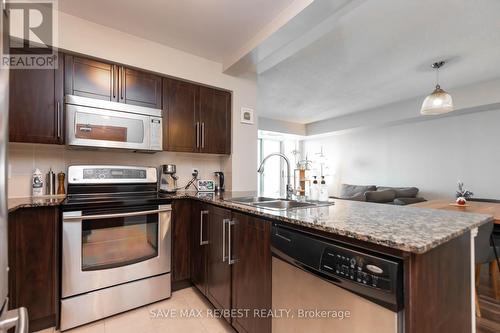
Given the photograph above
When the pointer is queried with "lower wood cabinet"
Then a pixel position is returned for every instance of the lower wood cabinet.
(33, 261)
(181, 241)
(218, 266)
(199, 240)
(252, 271)
(231, 263)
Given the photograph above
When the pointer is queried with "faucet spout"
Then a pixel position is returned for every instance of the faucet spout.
(289, 188)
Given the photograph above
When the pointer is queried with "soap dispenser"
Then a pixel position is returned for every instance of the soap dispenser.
(314, 191)
(323, 190)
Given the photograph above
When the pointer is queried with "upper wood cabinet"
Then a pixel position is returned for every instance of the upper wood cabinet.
(139, 88)
(180, 130)
(34, 264)
(111, 82)
(196, 118)
(90, 78)
(36, 105)
(215, 121)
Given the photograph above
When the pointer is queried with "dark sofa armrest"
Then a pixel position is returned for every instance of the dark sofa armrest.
(408, 201)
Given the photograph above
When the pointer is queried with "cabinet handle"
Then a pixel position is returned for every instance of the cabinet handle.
(202, 242)
(113, 88)
(230, 260)
(224, 222)
(197, 134)
(203, 135)
(58, 114)
(123, 81)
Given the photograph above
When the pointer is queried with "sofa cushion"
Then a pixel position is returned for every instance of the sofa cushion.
(401, 192)
(355, 192)
(380, 196)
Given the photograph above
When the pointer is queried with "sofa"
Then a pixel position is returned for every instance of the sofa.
(380, 194)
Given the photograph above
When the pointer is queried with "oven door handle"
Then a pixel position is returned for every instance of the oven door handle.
(109, 216)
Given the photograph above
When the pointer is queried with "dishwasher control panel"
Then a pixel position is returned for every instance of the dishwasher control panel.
(360, 268)
(376, 276)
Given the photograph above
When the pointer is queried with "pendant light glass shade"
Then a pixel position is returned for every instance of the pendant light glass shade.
(438, 102)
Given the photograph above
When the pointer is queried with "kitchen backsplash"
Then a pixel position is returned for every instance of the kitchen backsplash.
(24, 158)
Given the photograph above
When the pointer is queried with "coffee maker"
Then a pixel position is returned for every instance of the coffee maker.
(168, 178)
(219, 187)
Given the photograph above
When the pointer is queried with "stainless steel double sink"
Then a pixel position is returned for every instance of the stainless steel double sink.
(277, 203)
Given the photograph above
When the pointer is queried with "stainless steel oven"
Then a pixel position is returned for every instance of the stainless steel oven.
(107, 247)
(103, 124)
(116, 243)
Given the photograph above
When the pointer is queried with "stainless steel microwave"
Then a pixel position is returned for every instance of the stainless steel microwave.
(103, 124)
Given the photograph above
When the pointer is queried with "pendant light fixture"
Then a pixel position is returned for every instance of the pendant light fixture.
(439, 101)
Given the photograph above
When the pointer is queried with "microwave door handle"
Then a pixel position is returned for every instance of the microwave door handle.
(109, 216)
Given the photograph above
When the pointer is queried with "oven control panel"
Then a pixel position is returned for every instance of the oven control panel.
(96, 174)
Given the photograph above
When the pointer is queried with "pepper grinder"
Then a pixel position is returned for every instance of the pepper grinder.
(60, 183)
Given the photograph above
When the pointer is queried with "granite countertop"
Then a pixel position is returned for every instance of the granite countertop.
(42, 201)
(410, 229)
(406, 228)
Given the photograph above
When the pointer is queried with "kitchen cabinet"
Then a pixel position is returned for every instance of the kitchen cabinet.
(233, 266)
(215, 121)
(218, 259)
(34, 262)
(90, 78)
(181, 240)
(252, 274)
(107, 81)
(36, 105)
(139, 88)
(180, 129)
(197, 119)
(199, 241)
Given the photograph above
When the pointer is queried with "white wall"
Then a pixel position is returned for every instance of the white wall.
(85, 37)
(432, 155)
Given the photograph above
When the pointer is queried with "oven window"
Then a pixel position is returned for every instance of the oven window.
(121, 241)
(109, 128)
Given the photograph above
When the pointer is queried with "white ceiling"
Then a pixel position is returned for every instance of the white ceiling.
(213, 29)
(380, 52)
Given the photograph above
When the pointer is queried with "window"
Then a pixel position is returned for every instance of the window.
(272, 182)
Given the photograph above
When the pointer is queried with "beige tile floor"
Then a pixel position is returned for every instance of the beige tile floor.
(141, 320)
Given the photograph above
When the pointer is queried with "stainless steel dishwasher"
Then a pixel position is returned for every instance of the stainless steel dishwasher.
(323, 286)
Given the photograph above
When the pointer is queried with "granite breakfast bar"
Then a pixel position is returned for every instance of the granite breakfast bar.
(437, 248)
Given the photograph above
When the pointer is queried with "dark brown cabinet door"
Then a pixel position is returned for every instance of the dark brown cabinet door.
(218, 267)
(251, 280)
(91, 78)
(180, 116)
(33, 255)
(199, 240)
(35, 105)
(139, 88)
(215, 121)
(181, 240)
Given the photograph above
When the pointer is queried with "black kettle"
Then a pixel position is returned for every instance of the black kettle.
(219, 187)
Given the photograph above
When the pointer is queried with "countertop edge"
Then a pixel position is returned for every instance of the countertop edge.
(50, 201)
